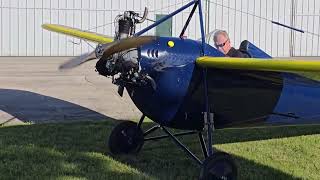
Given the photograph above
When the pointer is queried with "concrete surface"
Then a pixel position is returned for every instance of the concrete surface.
(33, 90)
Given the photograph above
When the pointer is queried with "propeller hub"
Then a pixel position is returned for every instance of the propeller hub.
(99, 50)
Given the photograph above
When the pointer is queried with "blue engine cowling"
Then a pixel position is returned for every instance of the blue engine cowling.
(172, 69)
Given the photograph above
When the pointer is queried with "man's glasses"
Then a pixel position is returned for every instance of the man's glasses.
(221, 45)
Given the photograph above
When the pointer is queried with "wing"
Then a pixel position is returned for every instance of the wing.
(81, 34)
(279, 65)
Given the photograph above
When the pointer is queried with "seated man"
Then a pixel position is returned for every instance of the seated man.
(222, 43)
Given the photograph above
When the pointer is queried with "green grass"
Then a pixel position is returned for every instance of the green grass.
(78, 151)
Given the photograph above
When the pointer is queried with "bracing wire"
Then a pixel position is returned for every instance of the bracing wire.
(154, 10)
(175, 4)
(172, 5)
(263, 18)
(110, 23)
(100, 26)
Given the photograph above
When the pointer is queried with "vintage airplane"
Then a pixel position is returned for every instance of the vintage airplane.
(189, 85)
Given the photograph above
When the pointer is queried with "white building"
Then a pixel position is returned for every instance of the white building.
(21, 33)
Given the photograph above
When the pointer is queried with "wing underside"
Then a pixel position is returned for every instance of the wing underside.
(276, 65)
(81, 34)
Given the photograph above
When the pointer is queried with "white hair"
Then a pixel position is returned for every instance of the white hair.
(218, 32)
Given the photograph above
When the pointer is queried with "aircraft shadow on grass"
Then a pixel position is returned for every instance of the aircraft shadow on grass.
(32, 107)
(36, 108)
(168, 151)
(156, 159)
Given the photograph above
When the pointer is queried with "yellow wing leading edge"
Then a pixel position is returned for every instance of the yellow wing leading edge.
(278, 65)
(81, 34)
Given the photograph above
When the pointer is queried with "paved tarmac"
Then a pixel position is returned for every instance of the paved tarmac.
(33, 90)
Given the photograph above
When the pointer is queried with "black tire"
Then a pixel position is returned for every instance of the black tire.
(219, 166)
(126, 138)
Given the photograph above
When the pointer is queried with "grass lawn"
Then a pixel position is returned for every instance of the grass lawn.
(78, 151)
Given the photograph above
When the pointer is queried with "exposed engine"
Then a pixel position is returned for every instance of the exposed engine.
(123, 66)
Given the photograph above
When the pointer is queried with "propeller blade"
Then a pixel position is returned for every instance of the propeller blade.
(128, 43)
(108, 50)
(74, 62)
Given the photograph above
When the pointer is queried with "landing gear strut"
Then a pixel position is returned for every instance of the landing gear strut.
(127, 138)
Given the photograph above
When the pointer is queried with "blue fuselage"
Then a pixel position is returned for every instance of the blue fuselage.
(237, 97)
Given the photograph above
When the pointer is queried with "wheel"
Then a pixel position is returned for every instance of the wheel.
(218, 166)
(126, 138)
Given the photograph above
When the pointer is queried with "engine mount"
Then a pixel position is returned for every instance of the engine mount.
(124, 67)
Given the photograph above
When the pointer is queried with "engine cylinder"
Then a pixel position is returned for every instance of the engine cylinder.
(124, 28)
